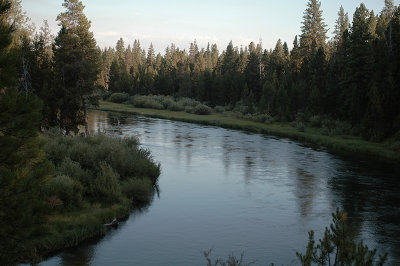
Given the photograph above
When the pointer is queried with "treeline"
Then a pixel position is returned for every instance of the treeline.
(353, 77)
(57, 190)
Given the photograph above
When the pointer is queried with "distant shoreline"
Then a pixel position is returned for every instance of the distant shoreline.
(348, 145)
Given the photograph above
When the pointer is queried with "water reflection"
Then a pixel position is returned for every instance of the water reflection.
(81, 256)
(243, 192)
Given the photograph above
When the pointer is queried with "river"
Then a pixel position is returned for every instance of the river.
(236, 192)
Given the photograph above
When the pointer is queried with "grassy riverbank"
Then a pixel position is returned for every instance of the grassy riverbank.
(95, 179)
(385, 151)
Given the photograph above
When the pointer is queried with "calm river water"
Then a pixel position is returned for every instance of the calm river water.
(236, 192)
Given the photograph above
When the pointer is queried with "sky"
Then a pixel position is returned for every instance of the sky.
(163, 22)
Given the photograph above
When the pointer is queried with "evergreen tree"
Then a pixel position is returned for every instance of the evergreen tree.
(23, 29)
(22, 166)
(120, 50)
(313, 29)
(77, 66)
(342, 24)
(151, 56)
(252, 72)
(385, 17)
(360, 65)
(41, 61)
(295, 58)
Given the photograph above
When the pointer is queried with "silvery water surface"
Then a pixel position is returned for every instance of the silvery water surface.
(237, 192)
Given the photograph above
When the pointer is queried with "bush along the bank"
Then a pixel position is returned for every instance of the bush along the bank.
(170, 103)
(93, 169)
(118, 97)
(96, 178)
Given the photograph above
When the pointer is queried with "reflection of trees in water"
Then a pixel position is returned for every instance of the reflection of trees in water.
(309, 170)
(248, 170)
(369, 193)
(79, 256)
(97, 121)
(305, 190)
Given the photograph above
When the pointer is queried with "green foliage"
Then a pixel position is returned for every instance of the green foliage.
(83, 159)
(23, 168)
(77, 66)
(316, 121)
(219, 109)
(146, 102)
(202, 109)
(140, 190)
(105, 187)
(300, 122)
(352, 78)
(160, 102)
(64, 189)
(119, 97)
(338, 247)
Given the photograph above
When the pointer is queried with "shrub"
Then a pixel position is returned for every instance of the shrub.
(119, 97)
(105, 186)
(316, 121)
(187, 102)
(146, 102)
(300, 126)
(100, 163)
(105, 95)
(342, 128)
(189, 109)
(64, 188)
(219, 109)
(202, 109)
(174, 106)
(300, 117)
(240, 108)
(139, 190)
(328, 124)
(74, 170)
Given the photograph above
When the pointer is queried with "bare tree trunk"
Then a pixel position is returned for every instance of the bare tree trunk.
(85, 117)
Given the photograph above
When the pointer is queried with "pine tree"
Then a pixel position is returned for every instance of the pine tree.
(23, 29)
(252, 72)
(41, 65)
(22, 166)
(77, 66)
(120, 50)
(151, 56)
(385, 17)
(342, 24)
(313, 29)
(360, 64)
(295, 58)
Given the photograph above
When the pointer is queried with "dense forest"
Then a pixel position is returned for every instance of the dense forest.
(352, 77)
(56, 189)
(50, 81)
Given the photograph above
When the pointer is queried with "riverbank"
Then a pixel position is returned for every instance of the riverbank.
(70, 229)
(339, 144)
(94, 180)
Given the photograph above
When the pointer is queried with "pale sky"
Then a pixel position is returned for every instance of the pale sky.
(163, 22)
